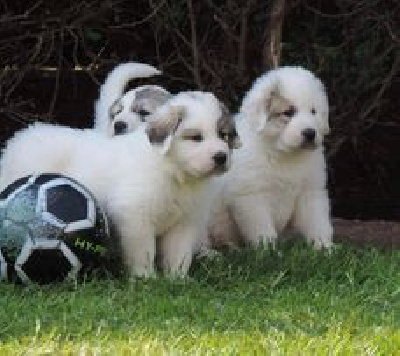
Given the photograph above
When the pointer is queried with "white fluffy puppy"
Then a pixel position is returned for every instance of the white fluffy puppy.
(152, 183)
(278, 177)
(118, 113)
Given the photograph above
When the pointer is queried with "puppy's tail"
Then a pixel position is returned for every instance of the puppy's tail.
(114, 86)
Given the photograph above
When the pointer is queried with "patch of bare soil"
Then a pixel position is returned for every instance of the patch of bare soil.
(379, 233)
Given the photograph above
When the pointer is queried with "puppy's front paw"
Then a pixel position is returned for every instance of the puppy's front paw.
(209, 253)
(322, 243)
(321, 236)
(142, 272)
(265, 241)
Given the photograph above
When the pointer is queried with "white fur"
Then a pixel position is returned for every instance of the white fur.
(114, 105)
(160, 189)
(277, 179)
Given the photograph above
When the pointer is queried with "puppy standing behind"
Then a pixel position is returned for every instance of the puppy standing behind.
(278, 177)
(155, 186)
(118, 113)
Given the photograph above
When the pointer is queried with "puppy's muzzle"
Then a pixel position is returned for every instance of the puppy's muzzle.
(120, 127)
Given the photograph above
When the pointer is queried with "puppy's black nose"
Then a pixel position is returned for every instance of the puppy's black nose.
(120, 127)
(220, 158)
(308, 134)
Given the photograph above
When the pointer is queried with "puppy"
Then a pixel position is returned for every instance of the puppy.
(278, 178)
(117, 113)
(154, 183)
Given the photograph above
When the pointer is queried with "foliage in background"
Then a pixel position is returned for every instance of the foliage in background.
(216, 45)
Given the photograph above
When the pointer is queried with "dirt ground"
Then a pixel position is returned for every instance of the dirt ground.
(384, 234)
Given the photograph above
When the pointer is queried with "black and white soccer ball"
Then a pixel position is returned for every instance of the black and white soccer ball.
(51, 229)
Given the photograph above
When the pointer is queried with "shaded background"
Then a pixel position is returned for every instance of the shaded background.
(55, 54)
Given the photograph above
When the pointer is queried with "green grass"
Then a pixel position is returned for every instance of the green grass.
(294, 302)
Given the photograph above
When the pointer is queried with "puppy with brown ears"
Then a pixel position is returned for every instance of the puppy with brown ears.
(117, 112)
(278, 177)
(155, 184)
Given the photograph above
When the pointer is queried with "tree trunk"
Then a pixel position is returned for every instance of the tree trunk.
(272, 44)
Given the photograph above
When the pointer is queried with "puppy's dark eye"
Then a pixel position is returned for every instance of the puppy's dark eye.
(290, 112)
(195, 137)
(143, 112)
(313, 111)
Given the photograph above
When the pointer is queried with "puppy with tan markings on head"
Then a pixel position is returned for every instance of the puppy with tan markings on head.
(278, 177)
(155, 183)
(116, 112)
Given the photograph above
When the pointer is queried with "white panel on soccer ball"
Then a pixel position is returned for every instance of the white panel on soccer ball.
(73, 260)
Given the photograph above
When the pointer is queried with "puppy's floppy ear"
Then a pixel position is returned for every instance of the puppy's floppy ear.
(163, 125)
(153, 93)
(276, 104)
(256, 101)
